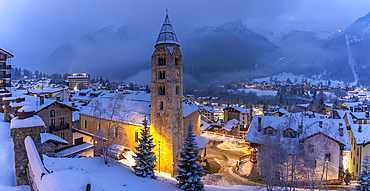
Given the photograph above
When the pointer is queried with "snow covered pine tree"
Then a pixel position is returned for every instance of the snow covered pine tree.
(364, 176)
(145, 159)
(190, 165)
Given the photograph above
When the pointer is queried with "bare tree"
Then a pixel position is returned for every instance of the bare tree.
(108, 119)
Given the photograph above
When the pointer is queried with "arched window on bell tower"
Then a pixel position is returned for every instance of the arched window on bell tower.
(162, 75)
(161, 105)
(177, 90)
(162, 61)
(161, 90)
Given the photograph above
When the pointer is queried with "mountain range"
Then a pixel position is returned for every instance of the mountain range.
(226, 52)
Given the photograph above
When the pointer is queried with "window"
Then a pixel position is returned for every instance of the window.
(61, 121)
(289, 133)
(85, 124)
(177, 90)
(79, 141)
(357, 151)
(161, 90)
(177, 62)
(311, 148)
(52, 113)
(268, 131)
(2, 56)
(62, 135)
(52, 122)
(161, 105)
(162, 61)
(99, 127)
(136, 137)
(328, 156)
(116, 132)
(162, 75)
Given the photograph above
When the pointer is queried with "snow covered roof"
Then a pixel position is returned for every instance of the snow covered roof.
(6, 53)
(33, 121)
(230, 124)
(362, 137)
(73, 150)
(26, 108)
(201, 141)
(20, 104)
(45, 90)
(359, 115)
(311, 126)
(240, 109)
(167, 34)
(47, 137)
(188, 109)
(204, 125)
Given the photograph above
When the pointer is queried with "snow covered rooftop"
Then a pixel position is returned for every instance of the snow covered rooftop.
(230, 124)
(240, 109)
(362, 137)
(311, 126)
(74, 149)
(28, 122)
(26, 108)
(46, 137)
(188, 109)
(167, 34)
(201, 141)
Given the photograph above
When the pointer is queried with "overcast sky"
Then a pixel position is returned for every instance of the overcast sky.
(31, 30)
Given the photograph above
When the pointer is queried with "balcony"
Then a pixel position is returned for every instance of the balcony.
(58, 128)
(5, 76)
(5, 67)
(5, 85)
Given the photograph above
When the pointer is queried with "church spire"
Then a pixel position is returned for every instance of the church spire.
(167, 34)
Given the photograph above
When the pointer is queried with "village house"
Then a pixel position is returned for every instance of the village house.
(324, 140)
(241, 114)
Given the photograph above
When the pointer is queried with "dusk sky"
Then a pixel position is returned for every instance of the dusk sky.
(31, 30)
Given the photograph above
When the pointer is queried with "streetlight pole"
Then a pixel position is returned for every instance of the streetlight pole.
(159, 146)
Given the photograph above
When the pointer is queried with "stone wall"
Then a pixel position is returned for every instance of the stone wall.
(7, 109)
(20, 154)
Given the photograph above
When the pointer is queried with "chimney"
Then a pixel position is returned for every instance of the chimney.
(41, 99)
(259, 124)
(360, 128)
(320, 124)
(367, 114)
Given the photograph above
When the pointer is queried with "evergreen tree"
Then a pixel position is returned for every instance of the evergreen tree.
(145, 159)
(190, 164)
(364, 176)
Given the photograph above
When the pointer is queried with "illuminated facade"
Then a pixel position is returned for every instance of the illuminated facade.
(76, 78)
(167, 97)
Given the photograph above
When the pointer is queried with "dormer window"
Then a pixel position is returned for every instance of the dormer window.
(162, 61)
(268, 131)
(289, 133)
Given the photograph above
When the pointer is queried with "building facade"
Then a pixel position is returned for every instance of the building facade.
(5, 68)
(75, 78)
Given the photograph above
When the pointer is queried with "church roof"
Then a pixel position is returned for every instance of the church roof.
(167, 34)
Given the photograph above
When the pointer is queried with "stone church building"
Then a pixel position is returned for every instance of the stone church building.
(164, 108)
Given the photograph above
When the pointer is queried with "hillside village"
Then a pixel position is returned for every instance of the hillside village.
(83, 136)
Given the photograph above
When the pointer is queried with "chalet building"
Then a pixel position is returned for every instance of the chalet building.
(324, 140)
(46, 93)
(208, 114)
(5, 68)
(167, 114)
(241, 114)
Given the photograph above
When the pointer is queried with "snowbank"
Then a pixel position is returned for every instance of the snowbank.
(65, 180)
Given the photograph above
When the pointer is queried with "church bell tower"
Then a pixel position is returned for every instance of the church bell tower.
(167, 99)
